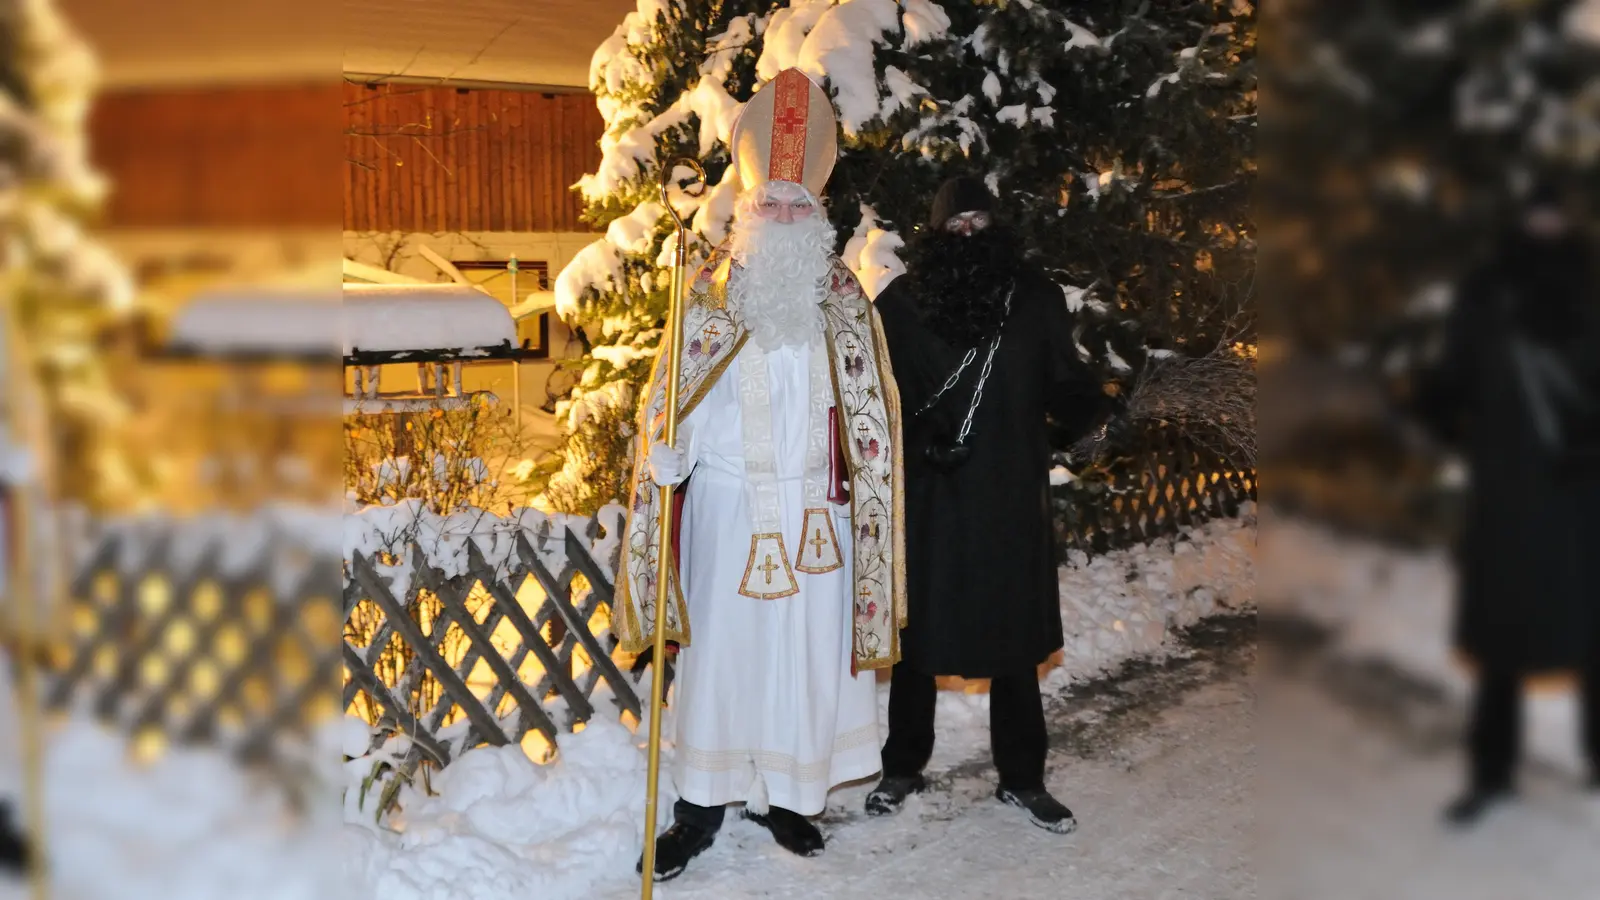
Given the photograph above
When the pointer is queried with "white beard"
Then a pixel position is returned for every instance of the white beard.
(778, 290)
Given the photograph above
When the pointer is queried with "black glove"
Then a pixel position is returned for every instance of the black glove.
(1118, 433)
(644, 660)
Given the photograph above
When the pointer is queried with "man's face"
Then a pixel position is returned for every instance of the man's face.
(784, 208)
(1545, 222)
(967, 223)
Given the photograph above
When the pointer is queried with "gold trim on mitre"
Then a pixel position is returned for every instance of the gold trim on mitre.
(787, 132)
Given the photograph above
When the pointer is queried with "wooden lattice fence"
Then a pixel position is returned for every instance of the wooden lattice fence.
(183, 633)
(1168, 484)
(488, 654)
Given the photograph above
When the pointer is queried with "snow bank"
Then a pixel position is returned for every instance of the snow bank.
(1397, 606)
(1127, 603)
(503, 826)
(192, 825)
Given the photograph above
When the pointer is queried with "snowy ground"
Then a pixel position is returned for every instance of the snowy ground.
(1362, 710)
(501, 824)
(1392, 607)
(1157, 761)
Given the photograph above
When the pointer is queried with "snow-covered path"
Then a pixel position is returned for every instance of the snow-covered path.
(1357, 763)
(1362, 711)
(1157, 761)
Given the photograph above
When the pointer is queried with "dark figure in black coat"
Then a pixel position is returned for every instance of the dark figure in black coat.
(1517, 390)
(980, 559)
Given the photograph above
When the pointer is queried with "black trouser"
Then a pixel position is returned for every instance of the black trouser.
(1494, 737)
(706, 818)
(1016, 726)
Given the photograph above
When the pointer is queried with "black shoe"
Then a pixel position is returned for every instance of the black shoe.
(14, 855)
(675, 847)
(1044, 810)
(891, 793)
(1470, 807)
(793, 832)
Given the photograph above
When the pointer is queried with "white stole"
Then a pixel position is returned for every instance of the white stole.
(769, 573)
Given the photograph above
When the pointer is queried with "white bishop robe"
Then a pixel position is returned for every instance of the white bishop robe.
(767, 710)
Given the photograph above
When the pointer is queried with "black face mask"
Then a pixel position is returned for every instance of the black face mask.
(962, 282)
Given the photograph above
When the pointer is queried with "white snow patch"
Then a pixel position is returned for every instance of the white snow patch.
(262, 321)
(1128, 603)
(871, 253)
(711, 221)
(901, 93)
(1432, 300)
(504, 826)
(191, 825)
(1583, 21)
(633, 232)
(1081, 37)
(991, 86)
(598, 267)
(717, 110)
(384, 534)
(786, 34)
(925, 21)
(423, 317)
(622, 153)
(840, 48)
(1155, 86)
(1013, 115)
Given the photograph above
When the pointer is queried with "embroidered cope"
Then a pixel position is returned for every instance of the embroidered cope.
(850, 375)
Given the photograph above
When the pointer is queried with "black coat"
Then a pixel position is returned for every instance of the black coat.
(1525, 601)
(980, 558)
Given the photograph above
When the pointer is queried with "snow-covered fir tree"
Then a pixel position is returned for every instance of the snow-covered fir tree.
(63, 287)
(1117, 134)
(1407, 135)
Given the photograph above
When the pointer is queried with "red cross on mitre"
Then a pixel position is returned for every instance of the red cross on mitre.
(791, 113)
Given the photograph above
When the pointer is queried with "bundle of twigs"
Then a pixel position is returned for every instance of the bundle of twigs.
(1209, 400)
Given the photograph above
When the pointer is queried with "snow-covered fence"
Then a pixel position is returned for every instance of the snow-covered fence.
(1167, 485)
(478, 630)
(220, 630)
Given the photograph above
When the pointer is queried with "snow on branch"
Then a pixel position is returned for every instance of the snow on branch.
(387, 534)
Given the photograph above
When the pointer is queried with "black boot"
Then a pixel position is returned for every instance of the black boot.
(1470, 807)
(891, 793)
(1044, 810)
(675, 847)
(793, 832)
(14, 855)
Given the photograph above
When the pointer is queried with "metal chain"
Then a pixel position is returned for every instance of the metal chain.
(983, 376)
(977, 393)
(951, 381)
